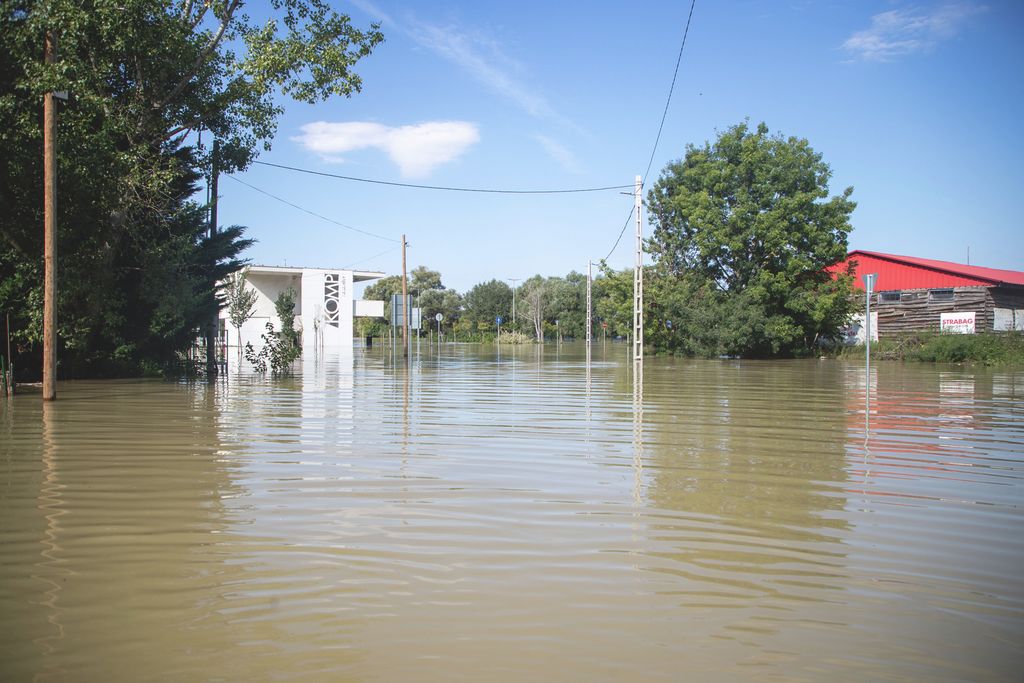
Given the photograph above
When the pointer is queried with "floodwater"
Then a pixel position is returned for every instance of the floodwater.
(487, 516)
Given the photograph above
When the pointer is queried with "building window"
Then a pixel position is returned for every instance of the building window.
(940, 294)
(884, 297)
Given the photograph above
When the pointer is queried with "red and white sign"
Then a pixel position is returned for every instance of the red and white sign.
(961, 322)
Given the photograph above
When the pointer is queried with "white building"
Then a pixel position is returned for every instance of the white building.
(324, 307)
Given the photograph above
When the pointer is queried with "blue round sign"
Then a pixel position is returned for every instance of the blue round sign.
(498, 320)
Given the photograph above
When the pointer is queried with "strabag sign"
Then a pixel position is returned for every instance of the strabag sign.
(960, 322)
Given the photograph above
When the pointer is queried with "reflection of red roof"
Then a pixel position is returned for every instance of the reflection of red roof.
(910, 272)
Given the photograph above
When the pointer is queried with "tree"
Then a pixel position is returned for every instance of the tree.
(241, 302)
(447, 302)
(422, 279)
(749, 218)
(144, 77)
(487, 301)
(568, 304)
(535, 298)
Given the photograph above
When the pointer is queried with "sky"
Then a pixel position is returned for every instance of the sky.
(916, 105)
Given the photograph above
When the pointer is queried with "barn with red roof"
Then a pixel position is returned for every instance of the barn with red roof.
(914, 294)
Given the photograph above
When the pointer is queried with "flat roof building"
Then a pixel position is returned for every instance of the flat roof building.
(325, 307)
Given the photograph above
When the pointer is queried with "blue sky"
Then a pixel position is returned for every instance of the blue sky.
(916, 105)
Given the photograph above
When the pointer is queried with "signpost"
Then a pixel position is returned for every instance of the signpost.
(869, 287)
(439, 317)
(497, 320)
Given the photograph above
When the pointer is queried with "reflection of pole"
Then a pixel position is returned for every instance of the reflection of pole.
(869, 287)
(49, 234)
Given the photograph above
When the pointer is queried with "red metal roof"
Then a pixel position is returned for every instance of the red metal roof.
(910, 272)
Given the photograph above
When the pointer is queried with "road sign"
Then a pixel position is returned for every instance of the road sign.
(439, 317)
(498, 320)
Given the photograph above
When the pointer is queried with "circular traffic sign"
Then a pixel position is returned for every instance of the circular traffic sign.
(439, 317)
(498, 320)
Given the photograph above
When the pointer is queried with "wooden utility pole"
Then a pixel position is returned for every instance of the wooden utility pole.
(49, 232)
(212, 325)
(405, 305)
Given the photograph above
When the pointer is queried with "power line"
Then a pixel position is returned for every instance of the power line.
(370, 258)
(670, 90)
(621, 232)
(313, 213)
(441, 187)
(661, 126)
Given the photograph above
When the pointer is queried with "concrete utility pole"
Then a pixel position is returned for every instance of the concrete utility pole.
(638, 278)
(405, 305)
(514, 280)
(590, 317)
(212, 325)
(50, 232)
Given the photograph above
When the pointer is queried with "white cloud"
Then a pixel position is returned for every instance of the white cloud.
(479, 56)
(906, 31)
(417, 149)
(559, 153)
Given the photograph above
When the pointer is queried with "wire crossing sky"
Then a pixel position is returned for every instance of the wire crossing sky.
(907, 102)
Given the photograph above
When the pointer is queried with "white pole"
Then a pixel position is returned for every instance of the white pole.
(869, 286)
(590, 318)
(638, 278)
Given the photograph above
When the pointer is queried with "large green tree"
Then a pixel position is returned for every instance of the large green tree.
(747, 223)
(487, 301)
(144, 78)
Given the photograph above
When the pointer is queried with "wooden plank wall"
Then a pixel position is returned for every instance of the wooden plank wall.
(916, 311)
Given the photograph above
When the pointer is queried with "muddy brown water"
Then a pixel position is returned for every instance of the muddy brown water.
(493, 515)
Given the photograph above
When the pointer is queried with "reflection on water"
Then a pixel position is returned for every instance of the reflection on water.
(517, 513)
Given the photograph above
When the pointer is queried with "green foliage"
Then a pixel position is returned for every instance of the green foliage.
(136, 269)
(486, 301)
(422, 279)
(447, 302)
(745, 224)
(240, 300)
(1006, 348)
(284, 306)
(514, 337)
(278, 351)
(612, 299)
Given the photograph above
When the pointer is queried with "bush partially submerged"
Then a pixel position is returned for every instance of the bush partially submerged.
(930, 347)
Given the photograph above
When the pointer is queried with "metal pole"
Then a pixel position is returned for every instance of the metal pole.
(869, 286)
(49, 233)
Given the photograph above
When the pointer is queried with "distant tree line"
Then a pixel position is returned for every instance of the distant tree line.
(743, 231)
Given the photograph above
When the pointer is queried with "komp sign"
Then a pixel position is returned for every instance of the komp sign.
(960, 322)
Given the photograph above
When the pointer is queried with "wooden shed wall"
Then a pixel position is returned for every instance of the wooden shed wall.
(916, 311)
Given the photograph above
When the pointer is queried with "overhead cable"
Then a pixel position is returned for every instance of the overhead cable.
(313, 213)
(670, 90)
(441, 187)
